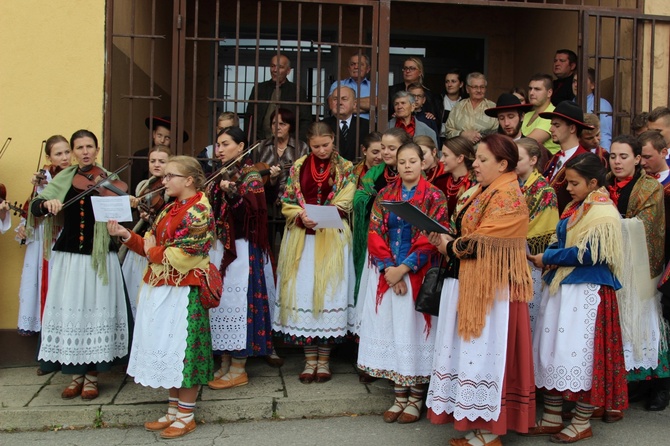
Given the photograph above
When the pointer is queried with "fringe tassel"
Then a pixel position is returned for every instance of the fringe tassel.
(604, 241)
(101, 240)
(500, 264)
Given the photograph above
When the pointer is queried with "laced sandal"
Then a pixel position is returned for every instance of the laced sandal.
(390, 416)
(159, 425)
(405, 417)
(564, 438)
(551, 428)
(323, 372)
(479, 436)
(308, 375)
(74, 389)
(90, 389)
(178, 428)
(228, 381)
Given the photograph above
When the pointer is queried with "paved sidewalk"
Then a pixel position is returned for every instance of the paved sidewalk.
(28, 401)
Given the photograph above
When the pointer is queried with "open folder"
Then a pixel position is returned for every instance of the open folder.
(413, 215)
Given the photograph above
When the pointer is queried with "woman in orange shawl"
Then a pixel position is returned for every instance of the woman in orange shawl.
(483, 365)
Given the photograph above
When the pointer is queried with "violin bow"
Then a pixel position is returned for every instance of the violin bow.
(4, 146)
(225, 168)
(99, 184)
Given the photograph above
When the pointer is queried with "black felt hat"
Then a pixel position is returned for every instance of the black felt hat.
(155, 121)
(569, 112)
(507, 101)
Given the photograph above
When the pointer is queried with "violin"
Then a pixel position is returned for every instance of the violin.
(95, 179)
(91, 176)
(18, 210)
(151, 198)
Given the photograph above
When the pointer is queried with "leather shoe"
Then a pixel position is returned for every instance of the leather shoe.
(159, 425)
(228, 382)
(612, 416)
(74, 389)
(537, 431)
(464, 442)
(273, 360)
(178, 429)
(659, 400)
(562, 438)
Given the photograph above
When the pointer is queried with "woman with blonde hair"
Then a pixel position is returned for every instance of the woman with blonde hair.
(172, 342)
(314, 305)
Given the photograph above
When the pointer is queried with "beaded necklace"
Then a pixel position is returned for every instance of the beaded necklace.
(389, 174)
(454, 186)
(319, 177)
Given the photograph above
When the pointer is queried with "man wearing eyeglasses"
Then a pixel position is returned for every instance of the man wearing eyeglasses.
(468, 117)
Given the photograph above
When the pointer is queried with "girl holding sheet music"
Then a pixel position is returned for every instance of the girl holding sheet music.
(314, 301)
(396, 342)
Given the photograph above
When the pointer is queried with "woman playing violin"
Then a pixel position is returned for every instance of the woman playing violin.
(241, 324)
(85, 321)
(150, 199)
(34, 278)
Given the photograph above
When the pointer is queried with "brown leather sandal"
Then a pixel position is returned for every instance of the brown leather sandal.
(540, 429)
(308, 374)
(74, 389)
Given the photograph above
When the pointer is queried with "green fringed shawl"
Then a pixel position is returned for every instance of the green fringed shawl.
(363, 199)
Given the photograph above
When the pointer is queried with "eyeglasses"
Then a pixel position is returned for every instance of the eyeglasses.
(409, 68)
(477, 87)
(169, 176)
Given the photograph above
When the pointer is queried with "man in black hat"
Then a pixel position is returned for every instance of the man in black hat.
(509, 111)
(160, 135)
(567, 123)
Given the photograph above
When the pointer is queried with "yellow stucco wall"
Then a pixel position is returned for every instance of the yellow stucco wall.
(51, 82)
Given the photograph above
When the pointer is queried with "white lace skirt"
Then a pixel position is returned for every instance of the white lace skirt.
(564, 336)
(394, 339)
(30, 290)
(338, 308)
(534, 306)
(467, 377)
(134, 266)
(159, 339)
(228, 321)
(84, 320)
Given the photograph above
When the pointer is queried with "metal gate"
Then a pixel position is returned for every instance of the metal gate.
(215, 51)
(637, 57)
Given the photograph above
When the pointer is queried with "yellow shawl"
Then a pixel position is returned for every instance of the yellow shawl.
(329, 243)
(596, 224)
(543, 211)
(494, 228)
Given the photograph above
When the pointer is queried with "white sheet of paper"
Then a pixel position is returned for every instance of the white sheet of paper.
(324, 216)
(112, 208)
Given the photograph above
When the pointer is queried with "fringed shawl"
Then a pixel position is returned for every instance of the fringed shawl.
(494, 228)
(362, 198)
(542, 211)
(329, 243)
(57, 189)
(433, 203)
(646, 203)
(248, 207)
(595, 225)
(185, 234)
